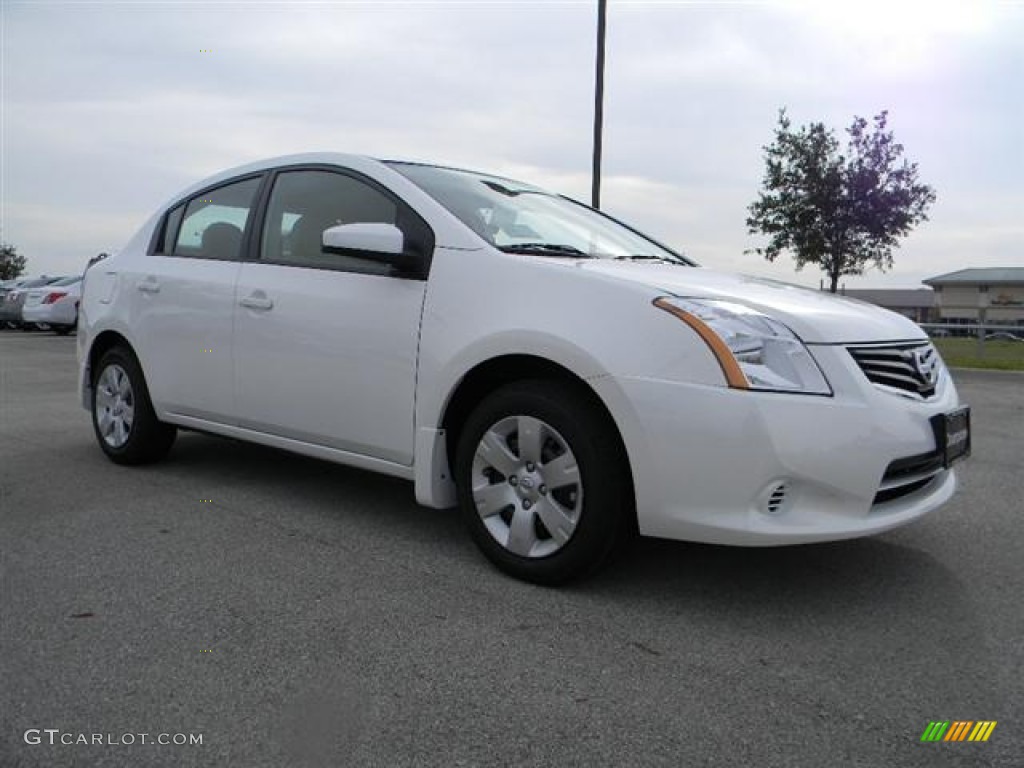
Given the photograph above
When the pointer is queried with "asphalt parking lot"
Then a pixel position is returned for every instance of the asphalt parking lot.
(297, 613)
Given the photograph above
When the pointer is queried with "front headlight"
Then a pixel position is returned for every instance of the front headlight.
(754, 350)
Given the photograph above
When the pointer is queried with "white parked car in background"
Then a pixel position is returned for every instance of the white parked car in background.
(12, 298)
(54, 305)
(561, 377)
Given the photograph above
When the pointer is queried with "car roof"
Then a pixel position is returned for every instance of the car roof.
(355, 162)
(304, 158)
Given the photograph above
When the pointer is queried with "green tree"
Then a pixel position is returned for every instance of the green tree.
(839, 212)
(11, 264)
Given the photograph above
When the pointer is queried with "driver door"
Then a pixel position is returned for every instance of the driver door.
(326, 345)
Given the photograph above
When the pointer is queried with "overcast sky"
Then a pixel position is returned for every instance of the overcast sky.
(110, 108)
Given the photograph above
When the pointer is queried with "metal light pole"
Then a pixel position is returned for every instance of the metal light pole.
(595, 193)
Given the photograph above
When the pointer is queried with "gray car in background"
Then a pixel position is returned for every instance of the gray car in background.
(14, 298)
(9, 285)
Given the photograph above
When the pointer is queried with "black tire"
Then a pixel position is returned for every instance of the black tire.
(605, 511)
(148, 439)
(63, 330)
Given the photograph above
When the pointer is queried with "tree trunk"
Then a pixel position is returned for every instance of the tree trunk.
(834, 262)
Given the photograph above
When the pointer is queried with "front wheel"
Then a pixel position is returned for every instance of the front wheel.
(126, 426)
(542, 482)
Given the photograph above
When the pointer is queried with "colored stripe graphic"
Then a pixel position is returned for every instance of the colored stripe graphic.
(982, 730)
(958, 730)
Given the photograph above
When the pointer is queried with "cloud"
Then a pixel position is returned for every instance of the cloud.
(73, 231)
(109, 109)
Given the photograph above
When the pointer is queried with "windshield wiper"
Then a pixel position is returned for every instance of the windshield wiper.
(546, 249)
(647, 257)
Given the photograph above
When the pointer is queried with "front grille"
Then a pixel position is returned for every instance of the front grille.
(911, 369)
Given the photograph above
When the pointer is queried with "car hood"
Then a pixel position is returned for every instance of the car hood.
(816, 317)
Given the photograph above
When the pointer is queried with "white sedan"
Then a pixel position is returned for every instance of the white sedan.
(561, 377)
(54, 305)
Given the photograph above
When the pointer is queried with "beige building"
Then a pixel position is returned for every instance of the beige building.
(916, 303)
(990, 294)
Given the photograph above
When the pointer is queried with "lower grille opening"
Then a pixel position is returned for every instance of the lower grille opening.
(924, 463)
(907, 475)
(899, 491)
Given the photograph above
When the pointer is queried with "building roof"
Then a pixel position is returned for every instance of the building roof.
(984, 275)
(894, 297)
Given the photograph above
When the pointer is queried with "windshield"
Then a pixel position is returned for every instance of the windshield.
(520, 218)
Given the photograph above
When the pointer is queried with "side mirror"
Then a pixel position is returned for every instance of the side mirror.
(374, 241)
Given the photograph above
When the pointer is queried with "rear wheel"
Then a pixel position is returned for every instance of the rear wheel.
(126, 426)
(542, 482)
(63, 330)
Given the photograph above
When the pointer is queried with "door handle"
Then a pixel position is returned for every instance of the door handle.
(149, 285)
(257, 301)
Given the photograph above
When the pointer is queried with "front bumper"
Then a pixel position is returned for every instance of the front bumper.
(737, 467)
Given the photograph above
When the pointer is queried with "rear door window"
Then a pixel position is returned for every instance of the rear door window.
(214, 222)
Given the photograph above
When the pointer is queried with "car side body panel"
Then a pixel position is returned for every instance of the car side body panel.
(181, 312)
(592, 326)
(342, 345)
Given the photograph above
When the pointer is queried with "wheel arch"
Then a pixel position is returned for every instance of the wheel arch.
(104, 341)
(489, 375)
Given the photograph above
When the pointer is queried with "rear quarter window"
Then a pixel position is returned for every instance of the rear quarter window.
(169, 231)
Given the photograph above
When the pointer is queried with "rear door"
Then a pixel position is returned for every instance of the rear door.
(183, 301)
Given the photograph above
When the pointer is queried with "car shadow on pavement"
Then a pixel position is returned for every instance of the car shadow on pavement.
(869, 572)
(831, 581)
(304, 493)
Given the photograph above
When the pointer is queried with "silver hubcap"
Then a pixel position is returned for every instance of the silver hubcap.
(527, 486)
(115, 406)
